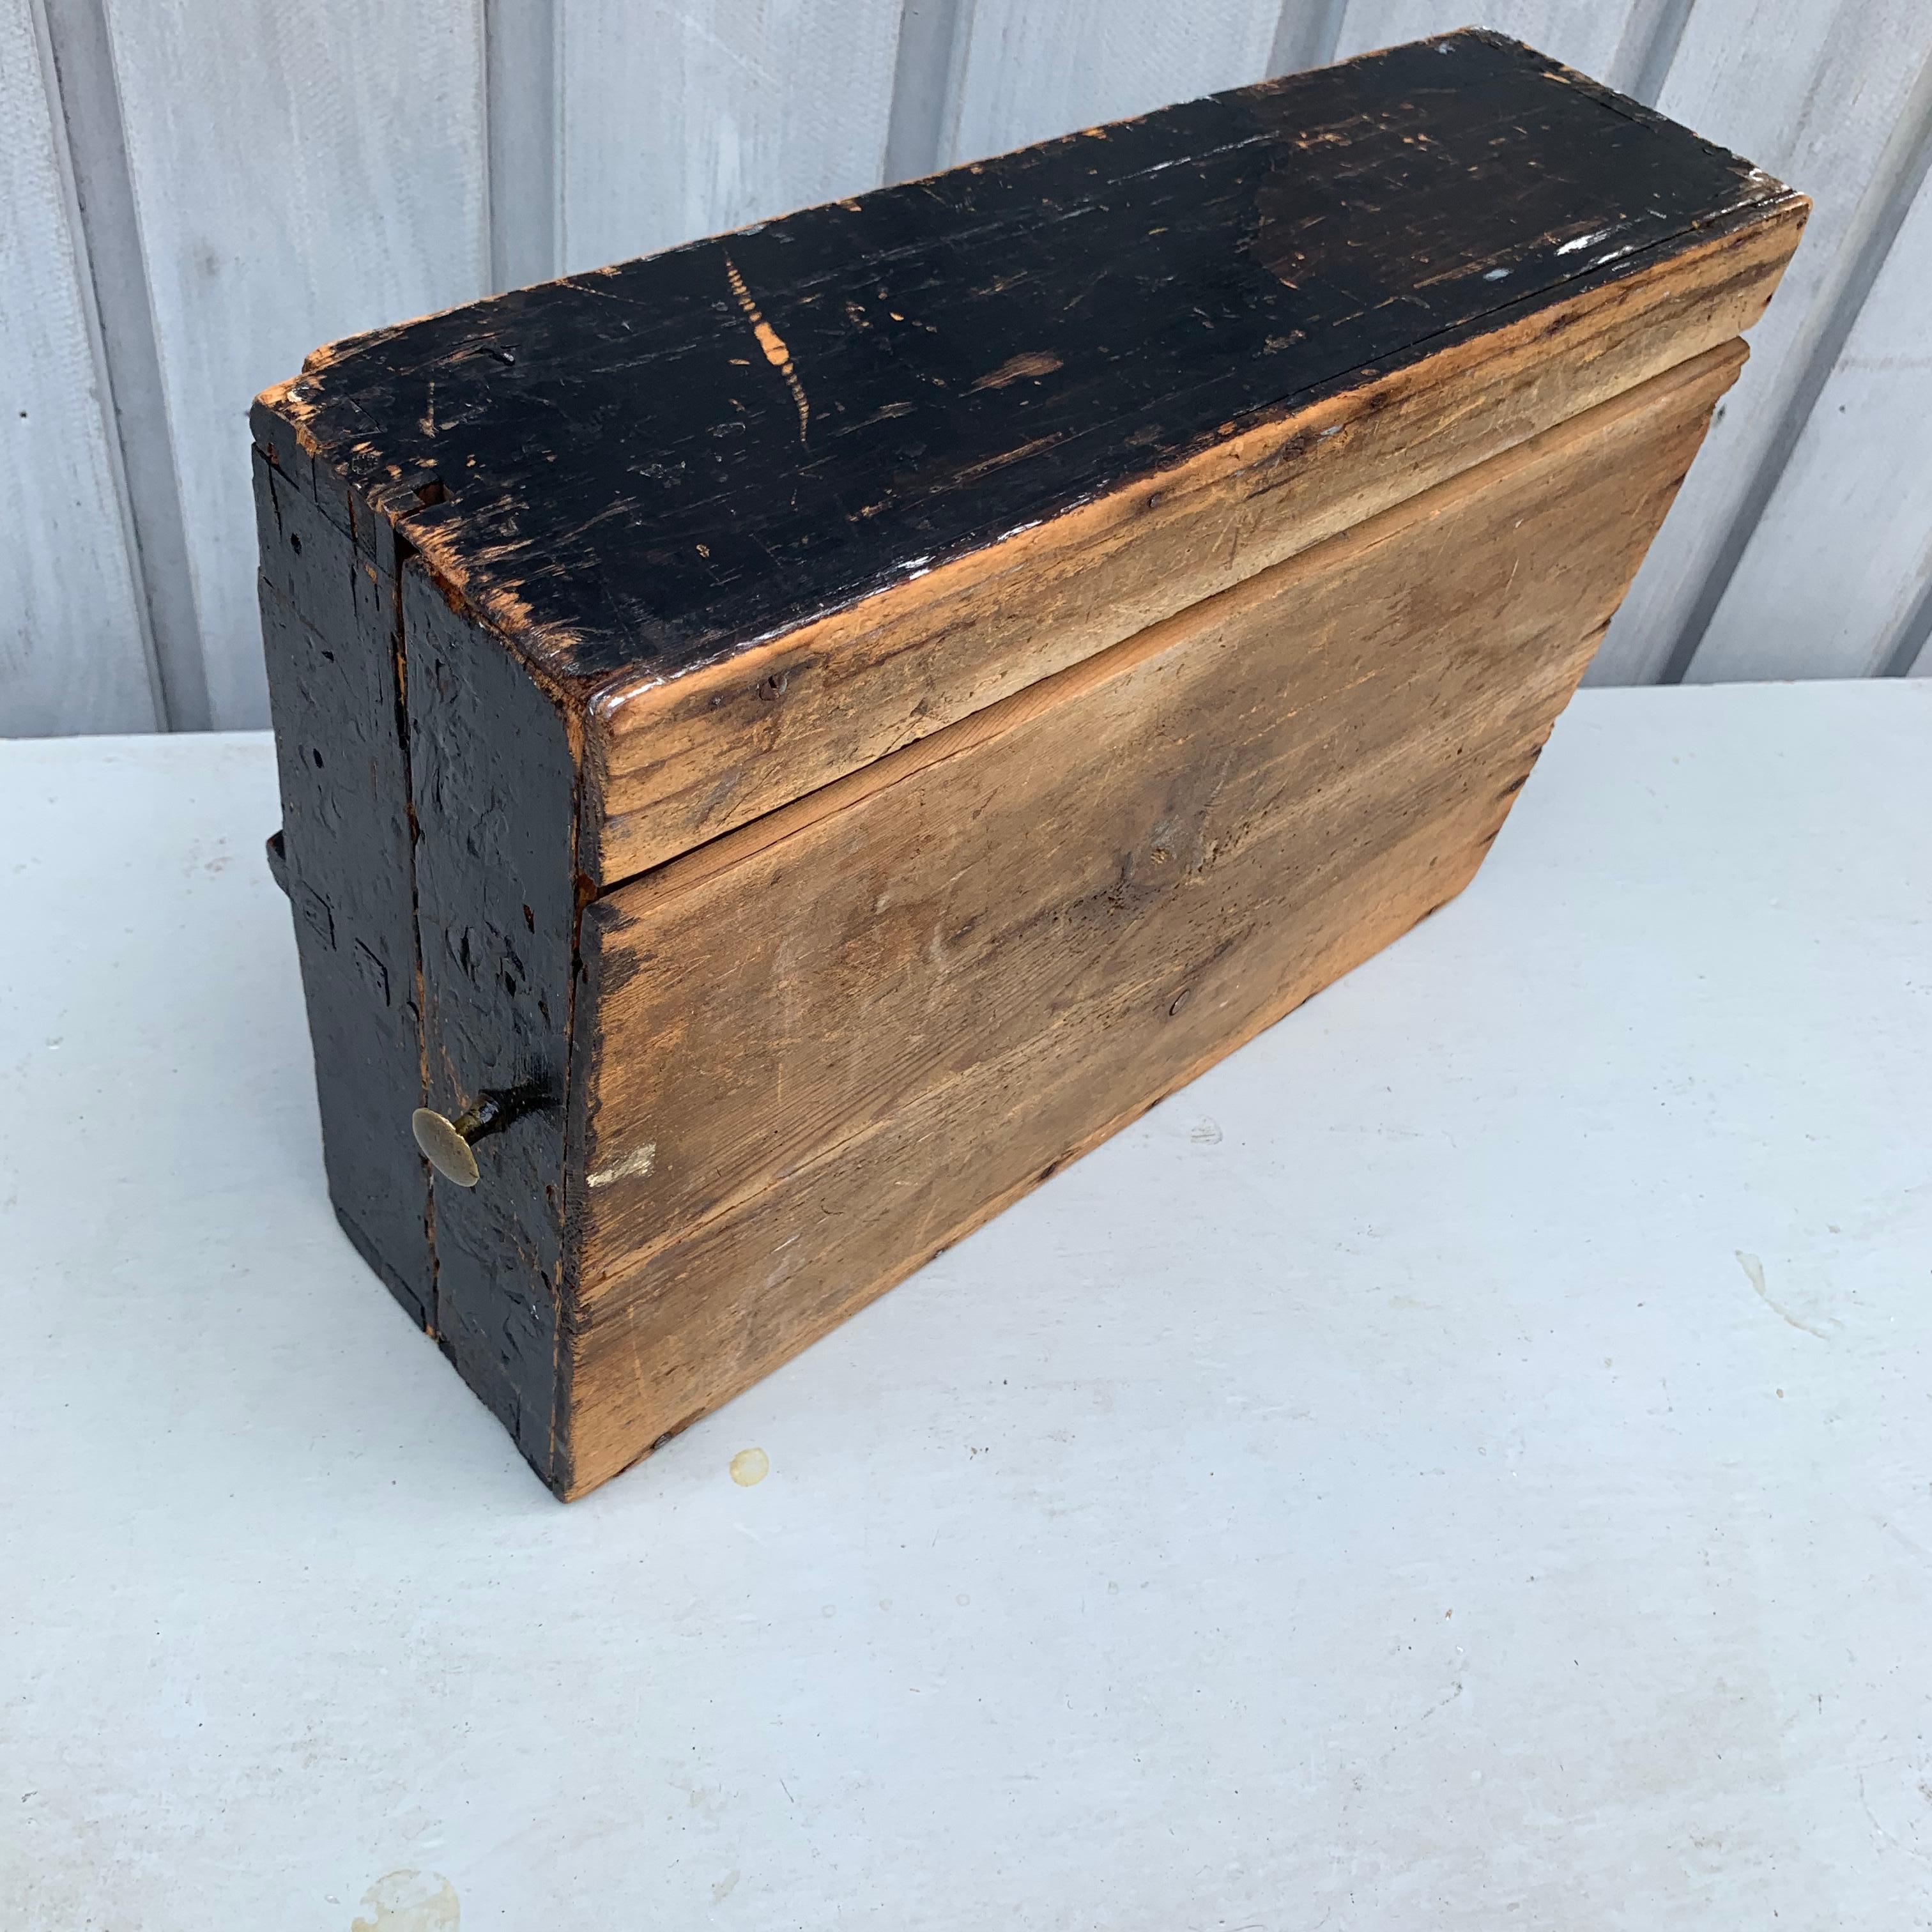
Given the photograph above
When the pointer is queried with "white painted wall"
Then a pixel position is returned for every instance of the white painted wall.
(193, 195)
(73, 647)
(1031, 71)
(677, 120)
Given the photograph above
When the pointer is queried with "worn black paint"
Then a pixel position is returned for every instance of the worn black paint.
(328, 624)
(427, 796)
(496, 808)
(619, 470)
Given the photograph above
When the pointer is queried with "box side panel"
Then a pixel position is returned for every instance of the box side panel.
(818, 1051)
(328, 602)
(680, 761)
(495, 792)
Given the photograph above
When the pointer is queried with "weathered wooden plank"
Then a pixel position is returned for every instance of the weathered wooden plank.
(680, 121)
(73, 654)
(1838, 564)
(682, 761)
(301, 168)
(1029, 72)
(926, 987)
(1813, 93)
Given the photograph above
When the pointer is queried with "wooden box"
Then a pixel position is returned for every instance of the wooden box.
(786, 743)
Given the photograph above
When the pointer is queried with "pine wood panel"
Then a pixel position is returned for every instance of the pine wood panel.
(679, 120)
(824, 1047)
(645, 470)
(301, 169)
(72, 654)
(685, 760)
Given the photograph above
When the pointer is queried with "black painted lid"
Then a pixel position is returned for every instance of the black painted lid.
(643, 468)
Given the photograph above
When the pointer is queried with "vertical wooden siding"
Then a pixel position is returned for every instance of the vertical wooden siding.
(75, 655)
(193, 196)
(679, 118)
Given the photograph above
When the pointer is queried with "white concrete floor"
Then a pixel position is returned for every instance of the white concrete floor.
(1464, 1463)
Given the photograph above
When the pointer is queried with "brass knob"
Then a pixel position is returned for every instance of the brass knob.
(446, 1143)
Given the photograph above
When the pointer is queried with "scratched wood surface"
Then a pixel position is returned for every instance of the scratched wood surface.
(643, 468)
(1045, 918)
(330, 627)
(678, 762)
(73, 648)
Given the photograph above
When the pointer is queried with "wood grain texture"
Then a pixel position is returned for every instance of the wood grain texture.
(74, 656)
(301, 168)
(945, 975)
(1814, 92)
(676, 762)
(682, 120)
(1839, 562)
(1030, 72)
